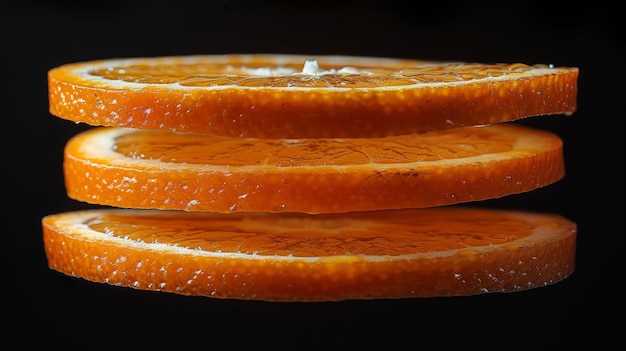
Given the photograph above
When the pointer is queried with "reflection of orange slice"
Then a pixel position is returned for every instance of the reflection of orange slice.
(299, 257)
(293, 96)
(161, 170)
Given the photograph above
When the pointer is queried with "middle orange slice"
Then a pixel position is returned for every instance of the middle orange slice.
(160, 170)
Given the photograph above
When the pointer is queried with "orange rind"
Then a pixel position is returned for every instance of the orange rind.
(308, 258)
(298, 96)
(160, 170)
(309, 178)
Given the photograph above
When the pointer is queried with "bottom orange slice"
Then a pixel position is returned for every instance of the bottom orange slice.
(447, 251)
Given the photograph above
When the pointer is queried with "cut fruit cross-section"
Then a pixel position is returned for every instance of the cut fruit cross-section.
(309, 178)
(299, 257)
(161, 170)
(297, 96)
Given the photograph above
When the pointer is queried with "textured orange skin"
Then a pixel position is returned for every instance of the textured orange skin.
(479, 270)
(316, 113)
(315, 189)
(268, 113)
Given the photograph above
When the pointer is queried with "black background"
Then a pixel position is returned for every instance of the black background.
(43, 306)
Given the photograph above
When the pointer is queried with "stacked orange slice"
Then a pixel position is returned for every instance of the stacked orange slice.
(309, 178)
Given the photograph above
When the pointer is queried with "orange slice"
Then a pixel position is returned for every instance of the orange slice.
(168, 171)
(299, 257)
(297, 96)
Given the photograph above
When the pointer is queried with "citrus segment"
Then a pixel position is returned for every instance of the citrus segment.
(168, 171)
(297, 96)
(299, 257)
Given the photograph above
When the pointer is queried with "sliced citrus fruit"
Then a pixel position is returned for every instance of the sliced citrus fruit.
(299, 257)
(297, 96)
(162, 170)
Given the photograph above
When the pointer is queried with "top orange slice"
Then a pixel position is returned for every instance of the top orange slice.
(297, 96)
